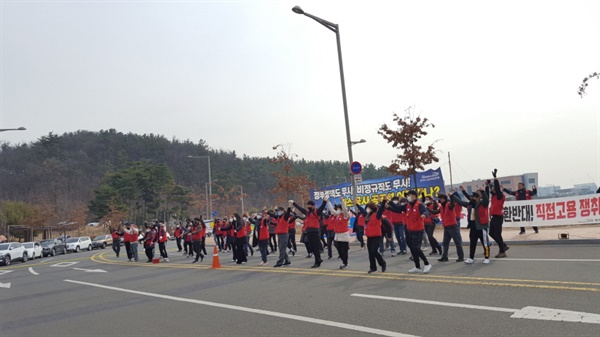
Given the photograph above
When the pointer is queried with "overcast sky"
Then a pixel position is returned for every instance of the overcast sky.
(499, 79)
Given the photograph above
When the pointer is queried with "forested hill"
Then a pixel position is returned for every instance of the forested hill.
(61, 172)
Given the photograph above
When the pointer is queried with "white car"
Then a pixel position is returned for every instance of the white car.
(10, 251)
(34, 249)
(77, 244)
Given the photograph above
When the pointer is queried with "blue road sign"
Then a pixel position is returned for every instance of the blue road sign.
(356, 167)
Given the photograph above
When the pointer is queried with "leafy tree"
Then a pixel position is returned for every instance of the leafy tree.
(584, 83)
(413, 157)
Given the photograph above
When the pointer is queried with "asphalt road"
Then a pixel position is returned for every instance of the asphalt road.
(96, 294)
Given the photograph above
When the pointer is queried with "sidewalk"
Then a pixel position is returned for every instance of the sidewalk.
(577, 234)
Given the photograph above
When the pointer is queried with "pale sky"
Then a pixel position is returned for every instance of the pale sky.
(499, 79)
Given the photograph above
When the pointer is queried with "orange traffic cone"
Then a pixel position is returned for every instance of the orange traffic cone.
(216, 264)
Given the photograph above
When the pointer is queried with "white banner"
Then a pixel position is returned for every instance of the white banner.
(575, 210)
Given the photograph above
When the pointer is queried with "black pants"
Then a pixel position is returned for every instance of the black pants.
(128, 249)
(414, 240)
(534, 228)
(239, 249)
(116, 246)
(162, 247)
(342, 248)
(204, 245)
(198, 249)
(149, 252)
(435, 245)
(481, 235)
(219, 242)
(360, 232)
(187, 247)
(314, 244)
(292, 240)
(373, 250)
(330, 237)
(496, 231)
(273, 242)
(178, 240)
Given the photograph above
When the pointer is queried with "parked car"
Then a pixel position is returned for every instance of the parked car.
(34, 249)
(93, 224)
(10, 251)
(51, 247)
(77, 244)
(101, 241)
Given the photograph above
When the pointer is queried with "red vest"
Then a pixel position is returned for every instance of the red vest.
(428, 220)
(497, 207)
(150, 237)
(360, 220)
(414, 222)
(393, 216)
(162, 237)
(177, 232)
(340, 224)
(197, 236)
(484, 217)
(263, 233)
(115, 236)
(457, 211)
(329, 222)
(448, 216)
(312, 220)
(373, 228)
(282, 226)
(130, 237)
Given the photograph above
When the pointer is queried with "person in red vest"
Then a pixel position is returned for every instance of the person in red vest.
(292, 234)
(312, 224)
(240, 239)
(397, 220)
(522, 194)
(446, 212)
(359, 228)
(116, 243)
(478, 223)
(339, 213)
(196, 236)
(187, 240)
(416, 213)
(149, 240)
(430, 224)
(497, 214)
(178, 233)
(130, 238)
(373, 216)
(261, 231)
(328, 224)
(218, 234)
(163, 237)
(248, 245)
(282, 218)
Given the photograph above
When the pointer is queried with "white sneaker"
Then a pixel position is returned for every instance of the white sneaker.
(415, 270)
(166, 260)
(469, 261)
(486, 261)
(426, 269)
(261, 263)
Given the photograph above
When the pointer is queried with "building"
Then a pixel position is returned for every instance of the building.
(510, 182)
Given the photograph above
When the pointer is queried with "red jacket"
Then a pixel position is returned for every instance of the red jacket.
(263, 231)
(448, 216)
(393, 216)
(497, 207)
(340, 224)
(162, 236)
(282, 225)
(312, 220)
(197, 236)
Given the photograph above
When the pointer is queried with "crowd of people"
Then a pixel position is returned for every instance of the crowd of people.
(410, 220)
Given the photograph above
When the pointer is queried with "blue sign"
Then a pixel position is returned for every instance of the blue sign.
(214, 213)
(356, 167)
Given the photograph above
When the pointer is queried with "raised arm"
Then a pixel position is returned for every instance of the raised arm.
(381, 209)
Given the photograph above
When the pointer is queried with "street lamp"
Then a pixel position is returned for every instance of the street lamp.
(336, 29)
(17, 129)
(358, 142)
(209, 183)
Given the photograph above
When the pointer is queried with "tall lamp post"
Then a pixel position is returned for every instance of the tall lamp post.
(209, 184)
(336, 29)
(15, 129)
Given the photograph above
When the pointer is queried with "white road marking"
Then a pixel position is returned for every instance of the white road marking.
(447, 304)
(252, 310)
(91, 270)
(48, 259)
(549, 260)
(64, 264)
(32, 271)
(5, 285)
(527, 312)
(2, 272)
